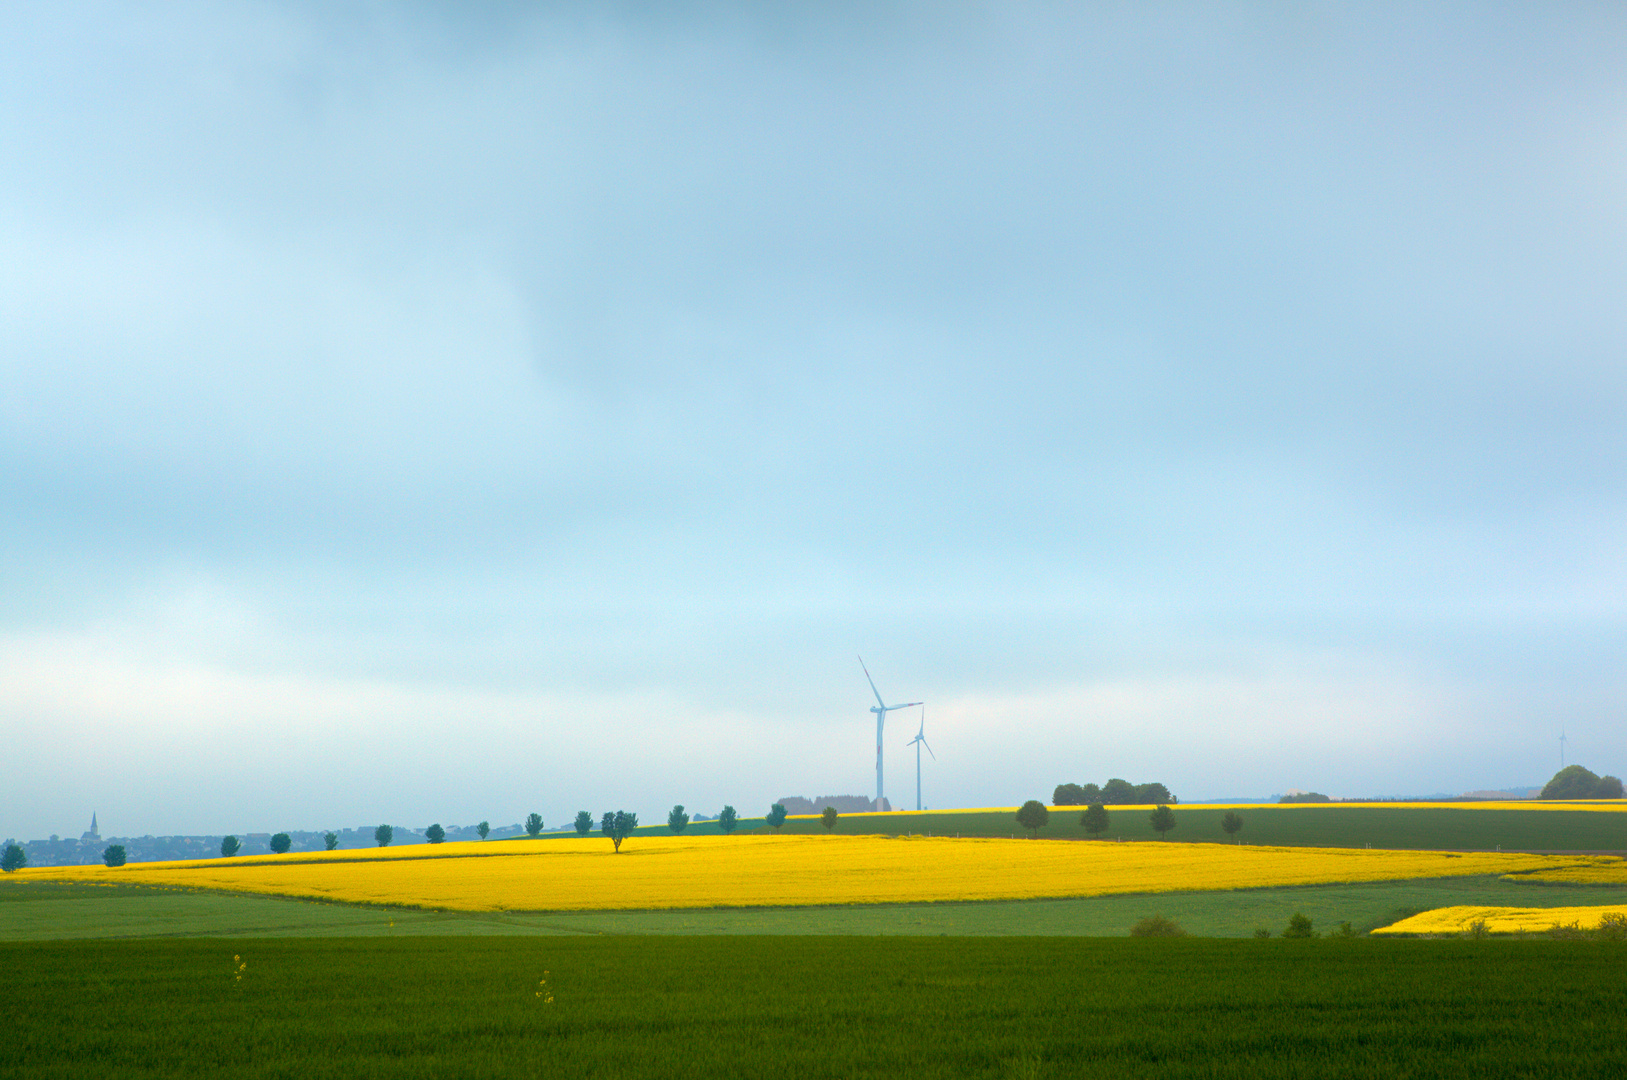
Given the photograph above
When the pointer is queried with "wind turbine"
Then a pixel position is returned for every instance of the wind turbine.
(918, 742)
(881, 709)
(1561, 746)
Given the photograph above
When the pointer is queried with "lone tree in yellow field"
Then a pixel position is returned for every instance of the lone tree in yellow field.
(618, 826)
(1033, 816)
(678, 819)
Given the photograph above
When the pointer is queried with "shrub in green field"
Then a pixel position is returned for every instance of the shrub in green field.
(1157, 926)
(230, 846)
(15, 858)
(1477, 930)
(1261, 934)
(114, 855)
(1344, 930)
(281, 843)
(1612, 927)
(1033, 816)
(1299, 926)
(727, 819)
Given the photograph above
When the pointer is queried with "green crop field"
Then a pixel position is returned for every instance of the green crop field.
(45, 911)
(814, 1007)
(1450, 828)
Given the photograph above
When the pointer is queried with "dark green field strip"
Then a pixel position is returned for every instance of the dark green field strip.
(44, 911)
(1325, 825)
(814, 1007)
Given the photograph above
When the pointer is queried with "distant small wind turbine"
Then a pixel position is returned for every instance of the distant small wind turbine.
(881, 709)
(1562, 746)
(918, 742)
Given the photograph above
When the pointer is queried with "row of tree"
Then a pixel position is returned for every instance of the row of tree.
(1115, 792)
(1034, 816)
(1575, 782)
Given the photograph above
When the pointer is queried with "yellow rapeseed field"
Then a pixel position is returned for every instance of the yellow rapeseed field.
(1502, 920)
(770, 871)
(1598, 872)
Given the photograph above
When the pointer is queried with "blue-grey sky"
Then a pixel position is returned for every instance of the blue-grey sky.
(418, 415)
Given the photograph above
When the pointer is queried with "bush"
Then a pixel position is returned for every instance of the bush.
(1476, 929)
(533, 825)
(330, 840)
(1345, 930)
(1304, 796)
(15, 858)
(1033, 816)
(484, 828)
(828, 818)
(1157, 926)
(383, 835)
(1261, 933)
(230, 846)
(1095, 820)
(776, 815)
(114, 855)
(677, 819)
(584, 823)
(727, 820)
(1609, 788)
(1612, 926)
(281, 843)
(1298, 927)
(435, 834)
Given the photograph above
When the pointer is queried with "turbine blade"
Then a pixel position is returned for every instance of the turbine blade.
(873, 689)
(929, 749)
(906, 705)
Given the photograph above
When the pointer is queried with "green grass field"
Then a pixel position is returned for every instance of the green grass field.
(813, 1007)
(1400, 826)
(44, 911)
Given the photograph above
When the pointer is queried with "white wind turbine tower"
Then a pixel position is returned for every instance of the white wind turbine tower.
(881, 709)
(918, 742)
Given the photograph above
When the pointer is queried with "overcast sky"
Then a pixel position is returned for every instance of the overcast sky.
(410, 414)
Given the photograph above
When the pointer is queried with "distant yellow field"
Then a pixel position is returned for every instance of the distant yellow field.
(1600, 872)
(1502, 920)
(771, 871)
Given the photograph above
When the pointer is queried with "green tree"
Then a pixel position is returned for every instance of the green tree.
(1094, 819)
(1118, 792)
(1067, 795)
(484, 828)
(828, 818)
(533, 824)
(1609, 788)
(114, 855)
(618, 826)
(1304, 796)
(281, 843)
(677, 820)
(1032, 816)
(727, 820)
(1299, 926)
(383, 835)
(331, 840)
(776, 815)
(584, 823)
(1163, 820)
(15, 858)
(435, 834)
(1232, 823)
(1152, 794)
(1575, 782)
(230, 846)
